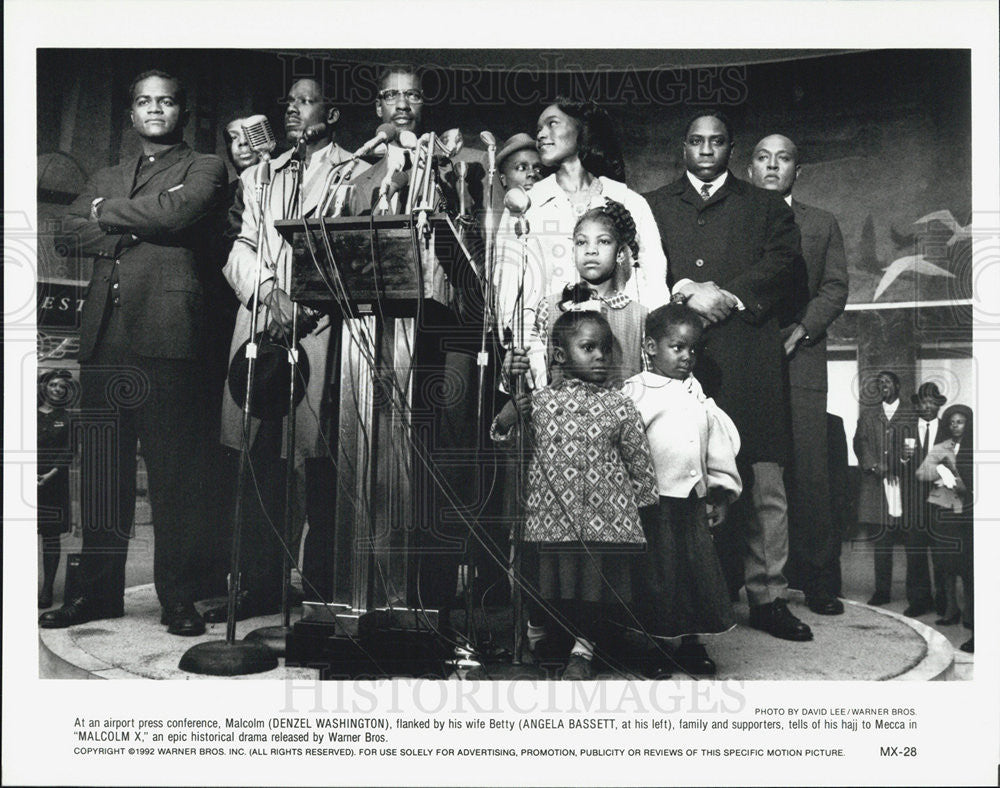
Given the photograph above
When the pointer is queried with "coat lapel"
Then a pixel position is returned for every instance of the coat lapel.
(163, 162)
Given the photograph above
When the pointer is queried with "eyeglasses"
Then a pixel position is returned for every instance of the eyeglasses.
(393, 96)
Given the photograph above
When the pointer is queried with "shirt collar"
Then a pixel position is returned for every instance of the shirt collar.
(713, 185)
(788, 199)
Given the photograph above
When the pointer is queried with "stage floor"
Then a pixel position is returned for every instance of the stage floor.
(864, 643)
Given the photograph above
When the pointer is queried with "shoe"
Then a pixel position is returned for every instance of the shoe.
(77, 611)
(949, 621)
(184, 620)
(693, 658)
(918, 609)
(777, 620)
(578, 669)
(968, 647)
(247, 606)
(45, 598)
(825, 605)
(879, 599)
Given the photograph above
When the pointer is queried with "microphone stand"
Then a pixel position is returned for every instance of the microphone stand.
(274, 637)
(482, 359)
(517, 531)
(229, 657)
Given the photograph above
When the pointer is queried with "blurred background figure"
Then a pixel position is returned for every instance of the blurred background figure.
(55, 455)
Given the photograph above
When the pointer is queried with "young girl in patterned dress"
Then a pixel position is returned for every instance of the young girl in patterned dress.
(590, 472)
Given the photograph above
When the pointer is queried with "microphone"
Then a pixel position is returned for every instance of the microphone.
(309, 134)
(491, 149)
(260, 137)
(517, 201)
(450, 143)
(407, 139)
(391, 184)
(384, 133)
(461, 173)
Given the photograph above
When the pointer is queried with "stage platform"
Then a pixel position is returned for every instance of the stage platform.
(865, 643)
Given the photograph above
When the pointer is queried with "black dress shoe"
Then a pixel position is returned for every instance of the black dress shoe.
(950, 621)
(879, 599)
(184, 620)
(777, 620)
(78, 611)
(968, 646)
(825, 605)
(247, 606)
(918, 609)
(691, 657)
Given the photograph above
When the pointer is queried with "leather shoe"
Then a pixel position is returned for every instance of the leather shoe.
(247, 606)
(949, 621)
(879, 599)
(693, 658)
(825, 605)
(968, 646)
(184, 620)
(777, 620)
(77, 611)
(919, 609)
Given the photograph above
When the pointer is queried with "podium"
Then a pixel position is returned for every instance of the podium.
(393, 288)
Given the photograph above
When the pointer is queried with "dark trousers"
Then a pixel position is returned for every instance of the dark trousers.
(813, 538)
(917, 519)
(128, 401)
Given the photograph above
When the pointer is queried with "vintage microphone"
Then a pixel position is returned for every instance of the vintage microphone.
(518, 202)
(229, 657)
(482, 358)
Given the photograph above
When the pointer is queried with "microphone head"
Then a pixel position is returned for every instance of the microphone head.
(451, 142)
(517, 201)
(314, 132)
(387, 130)
(488, 139)
(407, 139)
(260, 137)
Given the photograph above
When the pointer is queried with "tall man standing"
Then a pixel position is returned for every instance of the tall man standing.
(148, 222)
(309, 128)
(731, 248)
(814, 541)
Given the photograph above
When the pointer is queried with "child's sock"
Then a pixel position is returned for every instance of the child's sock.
(535, 634)
(583, 648)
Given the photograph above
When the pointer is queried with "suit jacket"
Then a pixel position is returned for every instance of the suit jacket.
(878, 443)
(745, 240)
(826, 268)
(158, 234)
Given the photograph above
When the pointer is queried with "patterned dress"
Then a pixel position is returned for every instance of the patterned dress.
(591, 468)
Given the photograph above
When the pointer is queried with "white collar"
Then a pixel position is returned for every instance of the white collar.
(788, 199)
(713, 185)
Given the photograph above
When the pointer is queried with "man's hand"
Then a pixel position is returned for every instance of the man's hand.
(797, 334)
(516, 362)
(705, 298)
(717, 514)
(281, 311)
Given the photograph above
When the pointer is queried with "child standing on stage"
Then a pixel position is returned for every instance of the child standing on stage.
(680, 589)
(604, 247)
(589, 474)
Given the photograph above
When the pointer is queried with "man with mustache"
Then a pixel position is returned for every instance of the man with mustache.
(731, 248)
(298, 173)
(148, 222)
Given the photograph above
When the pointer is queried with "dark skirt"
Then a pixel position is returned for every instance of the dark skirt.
(678, 585)
(53, 505)
(951, 540)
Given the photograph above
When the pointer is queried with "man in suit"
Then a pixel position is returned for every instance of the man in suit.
(917, 512)
(813, 539)
(298, 177)
(148, 222)
(731, 248)
(879, 444)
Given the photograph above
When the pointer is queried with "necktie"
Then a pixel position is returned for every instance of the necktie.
(923, 447)
(706, 191)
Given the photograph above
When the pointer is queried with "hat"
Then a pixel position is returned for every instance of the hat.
(271, 378)
(928, 391)
(519, 141)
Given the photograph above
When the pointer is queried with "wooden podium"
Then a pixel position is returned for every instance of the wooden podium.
(391, 286)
